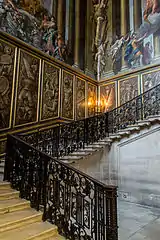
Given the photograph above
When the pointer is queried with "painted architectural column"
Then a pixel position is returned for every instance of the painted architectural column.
(124, 22)
(60, 16)
(71, 26)
(88, 39)
(77, 33)
(156, 46)
(124, 17)
(54, 8)
(137, 14)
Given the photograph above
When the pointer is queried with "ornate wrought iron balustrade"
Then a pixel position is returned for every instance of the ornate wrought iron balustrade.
(80, 206)
(64, 139)
(139, 108)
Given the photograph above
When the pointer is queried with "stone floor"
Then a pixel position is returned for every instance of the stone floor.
(138, 222)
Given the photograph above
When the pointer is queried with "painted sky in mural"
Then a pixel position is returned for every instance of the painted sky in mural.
(134, 43)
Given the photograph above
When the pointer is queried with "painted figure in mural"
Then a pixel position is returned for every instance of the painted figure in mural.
(51, 94)
(60, 49)
(26, 95)
(133, 53)
(99, 58)
(50, 33)
(147, 54)
(100, 17)
(117, 47)
(67, 96)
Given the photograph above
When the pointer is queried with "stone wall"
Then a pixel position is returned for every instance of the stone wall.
(134, 164)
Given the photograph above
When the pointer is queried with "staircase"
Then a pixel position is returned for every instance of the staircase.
(19, 221)
(106, 142)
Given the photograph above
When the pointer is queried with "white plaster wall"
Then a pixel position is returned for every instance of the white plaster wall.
(136, 163)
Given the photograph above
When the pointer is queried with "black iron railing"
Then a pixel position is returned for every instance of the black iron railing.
(80, 206)
(67, 138)
(139, 108)
(64, 139)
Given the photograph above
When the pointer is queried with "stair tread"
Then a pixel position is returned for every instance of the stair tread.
(28, 231)
(7, 191)
(3, 183)
(11, 217)
(12, 202)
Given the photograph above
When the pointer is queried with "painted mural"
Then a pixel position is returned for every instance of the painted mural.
(108, 97)
(27, 89)
(32, 21)
(2, 147)
(50, 92)
(128, 89)
(80, 98)
(150, 80)
(7, 58)
(92, 100)
(67, 95)
(133, 35)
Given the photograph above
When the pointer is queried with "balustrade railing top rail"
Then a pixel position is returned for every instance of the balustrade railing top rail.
(64, 139)
(79, 205)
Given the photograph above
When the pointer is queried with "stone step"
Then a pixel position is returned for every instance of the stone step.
(94, 146)
(153, 118)
(71, 158)
(88, 150)
(12, 221)
(124, 132)
(143, 123)
(133, 127)
(12, 205)
(103, 144)
(34, 231)
(106, 141)
(4, 185)
(115, 136)
(8, 194)
(80, 153)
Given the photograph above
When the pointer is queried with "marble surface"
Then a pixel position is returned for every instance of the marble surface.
(137, 222)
